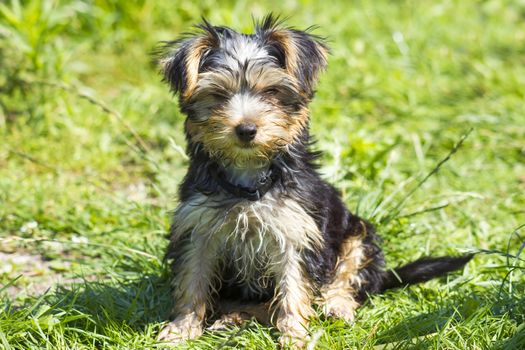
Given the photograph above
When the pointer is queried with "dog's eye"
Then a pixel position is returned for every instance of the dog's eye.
(271, 91)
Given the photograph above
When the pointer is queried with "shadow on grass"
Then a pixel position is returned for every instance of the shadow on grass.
(123, 311)
(136, 306)
(469, 311)
(135, 303)
(516, 342)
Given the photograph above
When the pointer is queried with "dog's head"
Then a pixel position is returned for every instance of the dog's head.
(246, 96)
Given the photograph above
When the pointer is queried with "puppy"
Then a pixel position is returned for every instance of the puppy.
(256, 223)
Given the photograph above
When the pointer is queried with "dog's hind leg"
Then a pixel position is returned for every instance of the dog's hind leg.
(338, 298)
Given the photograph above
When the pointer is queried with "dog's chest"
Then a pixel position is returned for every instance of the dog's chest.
(253, 238)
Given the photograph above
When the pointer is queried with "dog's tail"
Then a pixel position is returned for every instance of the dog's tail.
(422, 270)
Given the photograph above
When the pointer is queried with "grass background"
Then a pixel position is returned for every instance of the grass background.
(91, 152)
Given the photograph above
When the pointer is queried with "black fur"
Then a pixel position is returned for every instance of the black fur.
(423, 270)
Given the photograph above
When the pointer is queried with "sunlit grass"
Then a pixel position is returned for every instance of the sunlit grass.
(91, 154)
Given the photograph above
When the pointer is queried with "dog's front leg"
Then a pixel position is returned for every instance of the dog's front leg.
(192, 285)
(293, 300)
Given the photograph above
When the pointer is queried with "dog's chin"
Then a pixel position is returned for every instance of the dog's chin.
(245, 156)
(246, 146)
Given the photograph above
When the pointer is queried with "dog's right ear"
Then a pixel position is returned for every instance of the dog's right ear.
(180, 60)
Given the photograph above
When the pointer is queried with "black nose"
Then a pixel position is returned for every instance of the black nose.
(246, 131)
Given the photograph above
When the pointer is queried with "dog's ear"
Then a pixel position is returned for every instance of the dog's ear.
(180, 60)
(301, 53)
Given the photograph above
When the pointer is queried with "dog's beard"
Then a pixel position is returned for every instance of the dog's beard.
(222, 145)
(241, 158)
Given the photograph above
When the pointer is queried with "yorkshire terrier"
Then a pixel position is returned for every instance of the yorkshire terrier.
(258, 232)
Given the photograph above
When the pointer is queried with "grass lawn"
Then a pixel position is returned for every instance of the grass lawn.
(92, 150)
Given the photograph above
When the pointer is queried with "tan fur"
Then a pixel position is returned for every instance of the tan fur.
(276, 130)
(286, 40)
(193, 60)
(337, 297)
(185, 326)
(192, 291)
(216, 131)
(300, 121)
(293, 301)
(273, 134)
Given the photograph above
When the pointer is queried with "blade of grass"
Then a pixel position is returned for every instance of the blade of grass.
(399, 206)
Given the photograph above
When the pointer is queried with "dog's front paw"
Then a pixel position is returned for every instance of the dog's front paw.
(341, 308)
(229, 320)
(293, 340)
(181, 329)
(294, 333)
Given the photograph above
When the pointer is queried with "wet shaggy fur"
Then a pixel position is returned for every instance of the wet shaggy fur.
(257, 227)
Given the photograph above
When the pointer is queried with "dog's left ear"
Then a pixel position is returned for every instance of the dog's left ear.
(301, 53)
(180, 60)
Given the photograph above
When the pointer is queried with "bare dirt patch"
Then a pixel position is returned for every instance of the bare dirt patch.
(34, 275)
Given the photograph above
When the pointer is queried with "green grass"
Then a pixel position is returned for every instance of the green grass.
(90, 158)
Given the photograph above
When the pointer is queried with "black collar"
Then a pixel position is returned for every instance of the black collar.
(251, 193)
